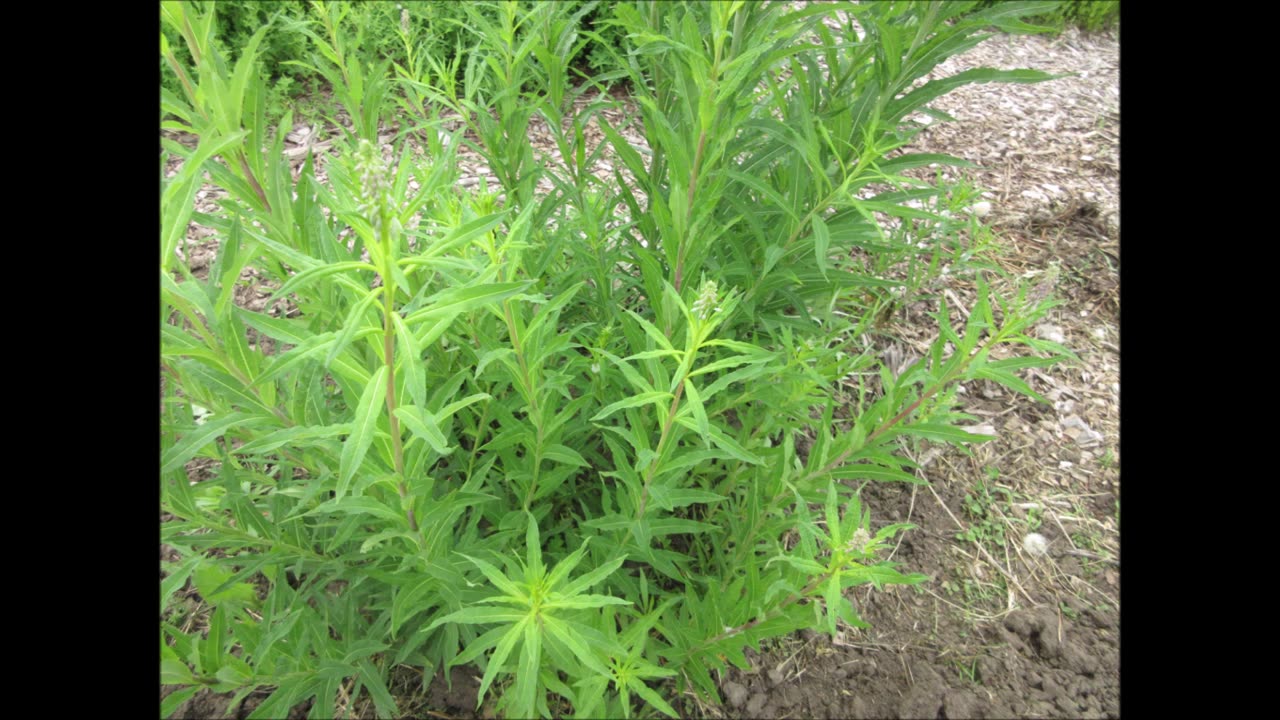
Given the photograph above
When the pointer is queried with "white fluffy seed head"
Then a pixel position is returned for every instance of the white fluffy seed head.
(1035, 544)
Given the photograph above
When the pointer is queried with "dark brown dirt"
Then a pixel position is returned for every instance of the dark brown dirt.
(928, 656)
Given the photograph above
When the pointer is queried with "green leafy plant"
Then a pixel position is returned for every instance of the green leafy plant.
(1088, 15)
(643, 408)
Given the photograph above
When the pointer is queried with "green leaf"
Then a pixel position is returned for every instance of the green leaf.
(877, 473)
(200, 436)
(633, 376)
(699, 412)
(945, 433)
(235, 672)
(411, 366)
(481, 615)
(353, 323)
(579, 602)
(357, 444)
(652, 697)
(593, 577)
(311, 275)
(834, 599)
(452, 408)
(177, 198)
(208, 578)
(459, 300)
(1009, 380)
(669, 499)
(526, 687)
(808, 567)
(423, 425)
(176, 579)
(357, 506)
(500, 654)
(566, 455)
(534, 569)
(652, 332)
(821, 243)
(500, 581)
(168, 674)
(408, 602)
(460, 235)
(382, 699)
(307, 349)
(655, 396)
(567, 633)
(294, 437)
(731, 446)
(935, 89)
(176, 672)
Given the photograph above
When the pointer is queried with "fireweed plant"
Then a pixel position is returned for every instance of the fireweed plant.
(585, 440)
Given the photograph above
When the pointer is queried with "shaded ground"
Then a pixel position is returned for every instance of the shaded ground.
(1005, 627)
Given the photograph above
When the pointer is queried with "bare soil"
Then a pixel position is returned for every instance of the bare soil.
(1005, 627)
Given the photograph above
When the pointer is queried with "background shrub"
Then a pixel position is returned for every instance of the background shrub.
(1088, 15)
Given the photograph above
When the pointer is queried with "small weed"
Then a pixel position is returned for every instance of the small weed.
(986, 525)
(968, 670)
(1068, 612)
(1108, 460)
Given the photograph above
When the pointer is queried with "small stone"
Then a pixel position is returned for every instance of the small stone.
(1052, 333)
(756, 704)
(777, 676)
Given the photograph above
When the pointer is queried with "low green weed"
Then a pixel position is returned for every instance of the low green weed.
(596, 456)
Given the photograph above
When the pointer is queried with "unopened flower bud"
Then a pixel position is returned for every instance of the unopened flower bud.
(375, 188)
(707, 300)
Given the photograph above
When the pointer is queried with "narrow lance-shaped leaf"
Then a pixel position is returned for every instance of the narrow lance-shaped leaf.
(821, 243)
(423, 425)
(656, 396)
(202, 435)
(459, 300)
(353, 323)
(357, 444)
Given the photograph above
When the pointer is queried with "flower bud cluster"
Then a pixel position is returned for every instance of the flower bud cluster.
(708, 300)
(860, 540)
(375, 187)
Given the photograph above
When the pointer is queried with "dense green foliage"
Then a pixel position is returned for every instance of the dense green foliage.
(595, 441)
(377, 32)
(1088, 15)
